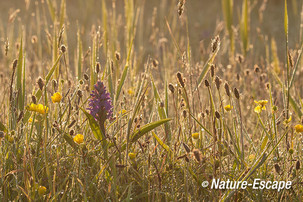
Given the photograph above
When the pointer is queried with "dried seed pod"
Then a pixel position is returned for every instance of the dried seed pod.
(85, 76)
(226, 86)
(54, 83)
(256, 68)
(63, 48)
(298, 165)
(217, 115)
(98, 68)
(277, 168)
(79, 93)
(215, 44)
(212, 70)
(236, 92)
(196, 153)
(187, 149)
(180, 79)
(171, 88)
(184, 113)
(117, 55)
(247, 71)
(34, 99)
(155, 63)
(290, 59)
(40, 83)
(15, 63)
(207, 83)
(72, 132)
(218, 82)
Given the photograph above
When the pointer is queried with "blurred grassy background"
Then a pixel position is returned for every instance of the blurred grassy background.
(203, 17)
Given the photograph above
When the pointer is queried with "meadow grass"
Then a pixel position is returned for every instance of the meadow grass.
(188, 105)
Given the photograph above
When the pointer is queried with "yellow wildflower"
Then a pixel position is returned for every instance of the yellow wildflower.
(299, 128)
(287, 121)
(78, 138)
(228, 107)
(195, 136)
(261, 106)
(37, 108)
(30, 120)
(251, 157)
(262, 103)
(130, 91)
(42, 109)
(132, 155)
(56, 97)
(123, 111)
(258, 109)
(41, 190)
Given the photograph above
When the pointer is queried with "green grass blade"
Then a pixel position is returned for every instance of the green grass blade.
(62, 13)
(94, 126)
(285, 19)
(163, 145)
(147, 128)
(123, 77)
(51, 9)
(244, 26)
(19, 76)
(161, 111)
(79, 51)
(207, 66)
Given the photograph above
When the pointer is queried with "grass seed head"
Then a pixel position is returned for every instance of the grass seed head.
(171, 88)
(236, 92)
(180, 79)
(218, 82)
(226, 86)
(40, 83)
(63, 48)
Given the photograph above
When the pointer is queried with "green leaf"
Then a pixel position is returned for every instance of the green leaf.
(70, 141)
(161, 110)
(163, 145)
(94, 126)
(145, 129)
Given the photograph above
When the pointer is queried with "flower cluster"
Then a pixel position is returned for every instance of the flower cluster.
(100, 105)
(37, 108)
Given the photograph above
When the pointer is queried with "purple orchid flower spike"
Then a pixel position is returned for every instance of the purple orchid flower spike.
(100, 105)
